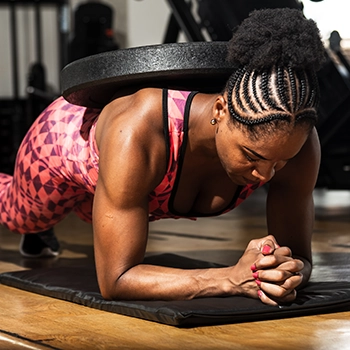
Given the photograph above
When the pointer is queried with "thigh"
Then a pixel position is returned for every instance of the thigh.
(42, 191)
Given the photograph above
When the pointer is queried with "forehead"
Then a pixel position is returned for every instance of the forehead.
(279, 144)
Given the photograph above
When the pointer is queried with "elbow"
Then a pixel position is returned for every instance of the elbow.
(108, 289)
(107, 294)
(115, 286)
(113, 289)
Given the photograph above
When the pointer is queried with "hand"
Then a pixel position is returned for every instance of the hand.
(278, 275)
(242, 275)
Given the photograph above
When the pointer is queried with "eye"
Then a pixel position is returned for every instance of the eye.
(250, 159)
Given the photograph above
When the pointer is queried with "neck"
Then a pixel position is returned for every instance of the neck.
(201, 134)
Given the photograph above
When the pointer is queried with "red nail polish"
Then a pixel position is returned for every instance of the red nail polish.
(255, 275)
(260, 293)
(253, 267)
(266, 249)
(258, 282)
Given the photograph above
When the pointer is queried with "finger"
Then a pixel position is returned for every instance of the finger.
(269, 300)
(291, 265)
(268, 248)
(280, 292)
(260, 242)
(278, 276)
(265, 299)
(269, 245)
(287, 298)
(282, 262)
(270, 261)
(283, 251)
(293, 282)
(272, 276)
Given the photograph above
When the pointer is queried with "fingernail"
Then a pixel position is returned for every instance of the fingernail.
(255, 275)
(266, 249)
(253, 267)
(260, 293)
(258, 282)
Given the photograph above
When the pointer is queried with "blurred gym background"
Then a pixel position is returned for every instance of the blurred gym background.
(38, 38)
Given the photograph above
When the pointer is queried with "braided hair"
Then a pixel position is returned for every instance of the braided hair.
(276, 53)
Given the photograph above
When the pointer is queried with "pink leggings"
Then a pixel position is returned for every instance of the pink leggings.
(55, 173)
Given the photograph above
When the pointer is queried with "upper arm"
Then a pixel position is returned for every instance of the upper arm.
(290, 209)
(129, 169)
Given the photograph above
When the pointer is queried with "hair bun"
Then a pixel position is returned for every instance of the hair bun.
(280, 36)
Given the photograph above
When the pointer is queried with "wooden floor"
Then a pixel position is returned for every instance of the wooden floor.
(31, 321)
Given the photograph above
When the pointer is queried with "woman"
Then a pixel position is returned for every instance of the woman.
(158, 154)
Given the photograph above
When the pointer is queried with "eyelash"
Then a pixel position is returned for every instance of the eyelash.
(250, 159)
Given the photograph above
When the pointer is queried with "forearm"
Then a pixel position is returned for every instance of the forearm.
(149, 282)
(306, 271)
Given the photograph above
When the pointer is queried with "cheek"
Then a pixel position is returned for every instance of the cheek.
(280, 165)
(231, 162)
(229, 154)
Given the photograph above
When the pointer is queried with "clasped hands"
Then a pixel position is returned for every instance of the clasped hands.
(274, 274)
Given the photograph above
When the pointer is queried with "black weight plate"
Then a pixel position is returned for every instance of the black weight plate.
(93, 81)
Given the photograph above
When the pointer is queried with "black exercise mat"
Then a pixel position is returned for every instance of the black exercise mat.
(79, 285)
(93, 81)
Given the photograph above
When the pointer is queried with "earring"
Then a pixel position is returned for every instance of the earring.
(213, 121)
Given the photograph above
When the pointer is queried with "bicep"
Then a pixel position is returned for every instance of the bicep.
(120, 236)
(127, 174)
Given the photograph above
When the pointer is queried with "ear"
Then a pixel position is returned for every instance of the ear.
(220, 108)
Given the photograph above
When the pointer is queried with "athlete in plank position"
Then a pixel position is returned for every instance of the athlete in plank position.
(159, 154)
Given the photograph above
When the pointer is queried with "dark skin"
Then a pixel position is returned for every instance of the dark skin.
(132, 164)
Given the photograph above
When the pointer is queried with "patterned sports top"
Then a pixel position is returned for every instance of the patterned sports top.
(176, 108)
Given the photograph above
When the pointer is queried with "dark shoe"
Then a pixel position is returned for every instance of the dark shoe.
(37, 245)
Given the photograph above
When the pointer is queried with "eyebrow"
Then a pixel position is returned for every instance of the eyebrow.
(255, 153)
(259, 155)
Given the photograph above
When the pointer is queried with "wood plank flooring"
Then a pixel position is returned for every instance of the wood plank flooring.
(31, 321)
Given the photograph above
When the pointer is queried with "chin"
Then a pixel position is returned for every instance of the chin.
(238, 180)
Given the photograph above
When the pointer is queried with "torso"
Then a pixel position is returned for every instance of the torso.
(200, 187)
(193, 186)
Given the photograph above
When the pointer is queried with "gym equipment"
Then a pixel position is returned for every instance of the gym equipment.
(220, 18)
(93, 81)
(93, 32)
(37, 75)
(17, 112)
(201, 66)
(78, 284)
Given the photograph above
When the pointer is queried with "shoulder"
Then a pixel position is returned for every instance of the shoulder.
(134, 114)
(130, 139)
(142, 101)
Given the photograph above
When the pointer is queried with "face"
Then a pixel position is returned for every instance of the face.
(247, 160)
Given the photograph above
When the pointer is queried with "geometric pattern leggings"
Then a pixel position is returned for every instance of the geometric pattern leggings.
(55, 173)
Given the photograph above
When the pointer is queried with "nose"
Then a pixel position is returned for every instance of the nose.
(264, 172)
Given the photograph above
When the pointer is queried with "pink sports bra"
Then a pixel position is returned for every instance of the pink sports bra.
(176, 108)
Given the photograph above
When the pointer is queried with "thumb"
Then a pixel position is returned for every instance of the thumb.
(268, 246)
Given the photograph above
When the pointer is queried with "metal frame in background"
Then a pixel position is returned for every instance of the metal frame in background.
(219, 18)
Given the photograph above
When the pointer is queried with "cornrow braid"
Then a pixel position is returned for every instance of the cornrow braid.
(238, 91)
(302, 77)
(265, 87)
(280, 82)
(314, 96)
(276, 94)
(246, 94)
(292, 89)
(255, 96)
